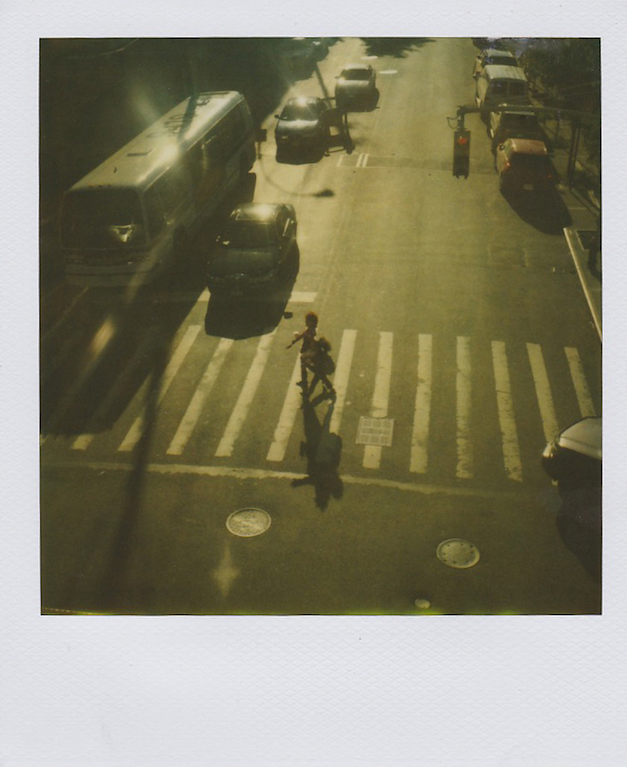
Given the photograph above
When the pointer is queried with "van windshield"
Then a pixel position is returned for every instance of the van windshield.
(102, 219)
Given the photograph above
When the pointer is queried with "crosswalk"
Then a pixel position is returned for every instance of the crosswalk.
(523, 385)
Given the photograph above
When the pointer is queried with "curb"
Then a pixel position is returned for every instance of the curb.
(591, 289)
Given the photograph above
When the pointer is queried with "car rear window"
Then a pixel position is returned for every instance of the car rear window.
(356, 74)
(531, 162)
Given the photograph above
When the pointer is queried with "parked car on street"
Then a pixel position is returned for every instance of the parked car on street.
(574, 462)
(303, 124)
(356, 85)
(516, 122)
(524, 165)
(255, 249)
(493, 56)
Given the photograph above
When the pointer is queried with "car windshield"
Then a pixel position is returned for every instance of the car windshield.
(299, 111)
(250, 234)
(356, 74)
(102, 219)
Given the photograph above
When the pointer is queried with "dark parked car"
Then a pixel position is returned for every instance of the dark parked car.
(255, 249)
(303, 124)
(574, 463)
(524, 165)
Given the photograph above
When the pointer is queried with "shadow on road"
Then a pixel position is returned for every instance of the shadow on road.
(398, 47)
(248, 316)
(323, 451)
(112, 344)
(548, 214)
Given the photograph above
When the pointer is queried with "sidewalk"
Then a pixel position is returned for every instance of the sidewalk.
(584, 224)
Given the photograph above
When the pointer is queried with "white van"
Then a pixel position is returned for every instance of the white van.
(499, 84)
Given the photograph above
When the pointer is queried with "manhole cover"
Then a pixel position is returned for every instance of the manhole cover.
(375, 431)
(456, 552)
(248, 522)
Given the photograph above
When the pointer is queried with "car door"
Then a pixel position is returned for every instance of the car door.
(285, 231)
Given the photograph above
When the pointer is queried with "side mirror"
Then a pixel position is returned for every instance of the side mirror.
(277, 117)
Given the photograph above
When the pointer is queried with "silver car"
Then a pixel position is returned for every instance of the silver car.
(356, 85)
(255, 250)
(302, 124)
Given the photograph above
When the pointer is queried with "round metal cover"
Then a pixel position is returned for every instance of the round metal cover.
(422, 604)
(456, 552)
(248, 522)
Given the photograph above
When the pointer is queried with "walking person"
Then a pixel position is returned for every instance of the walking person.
(308, 347)
(322, 366)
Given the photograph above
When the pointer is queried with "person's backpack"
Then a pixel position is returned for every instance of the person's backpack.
(328, 366)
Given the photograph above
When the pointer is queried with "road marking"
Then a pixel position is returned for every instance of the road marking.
(302, 297)
(362, 159)
(543, 392)
(288, 416)
(192, 414)
(230, 472)
(586, 406)
(463, 386)
(225, 573)
(83, 441)
(381, 396)
(341, 376)
(244, 402)
(137, 429)
(505, 405)
(422, 410)
(296, 297)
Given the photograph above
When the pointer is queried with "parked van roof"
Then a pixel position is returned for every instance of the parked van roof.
(498, 52)
(501, 72)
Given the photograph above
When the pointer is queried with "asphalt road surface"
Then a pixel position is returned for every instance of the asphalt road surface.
(461, 336)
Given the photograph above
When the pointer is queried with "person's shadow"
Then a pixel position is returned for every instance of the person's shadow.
(323, 451)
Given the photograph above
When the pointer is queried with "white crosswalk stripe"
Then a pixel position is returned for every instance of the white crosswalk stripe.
(287, 418)
(381, 396)
(505, 405)
(135, 432)
(464, 406)
(245, 400)
(83, 441)
(192, 414)
(584, 399)
(422, 412)
(510, 404)
(341, 377)
(543, 391)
